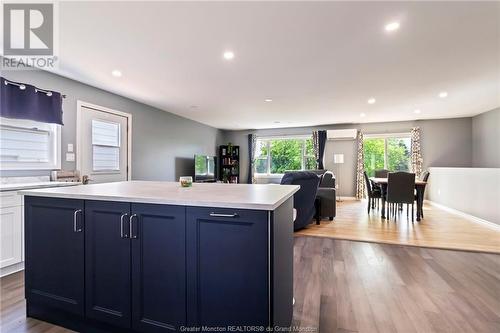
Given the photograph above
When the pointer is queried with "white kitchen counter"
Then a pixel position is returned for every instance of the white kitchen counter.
(242, 196)
(22, 186)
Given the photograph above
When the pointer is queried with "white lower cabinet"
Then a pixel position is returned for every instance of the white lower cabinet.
(11, 233)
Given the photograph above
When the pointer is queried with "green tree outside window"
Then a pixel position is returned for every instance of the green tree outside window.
(391, 153)
(285, 155)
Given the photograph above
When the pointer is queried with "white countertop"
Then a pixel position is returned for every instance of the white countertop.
(22, 186)
(242, 196)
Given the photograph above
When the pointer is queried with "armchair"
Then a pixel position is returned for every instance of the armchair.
(303, 200)
(327, 194)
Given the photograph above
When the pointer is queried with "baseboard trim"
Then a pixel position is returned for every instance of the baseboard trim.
(463, 214)
(4, 271)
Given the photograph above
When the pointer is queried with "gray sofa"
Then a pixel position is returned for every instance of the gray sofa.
(327, 194)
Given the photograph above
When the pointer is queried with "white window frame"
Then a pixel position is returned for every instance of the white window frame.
(54, 131)
(386, 136)
(268, 139)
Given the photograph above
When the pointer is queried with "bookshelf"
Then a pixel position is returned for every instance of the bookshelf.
(229, 159)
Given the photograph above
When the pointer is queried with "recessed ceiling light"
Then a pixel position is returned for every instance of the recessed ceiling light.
(362, 114)
(443, 94)
(417, 111)
(392, 26)
(268, 100)
(116, 73)
(228, 55)
(372, 101)
(277, 122)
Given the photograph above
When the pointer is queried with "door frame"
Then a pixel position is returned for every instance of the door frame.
(79, 105)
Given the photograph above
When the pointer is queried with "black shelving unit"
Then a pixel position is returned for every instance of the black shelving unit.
(229, 161)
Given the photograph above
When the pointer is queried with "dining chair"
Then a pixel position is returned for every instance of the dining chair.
(373, 193)
(423, 177)
(400, 190)
(382, 173)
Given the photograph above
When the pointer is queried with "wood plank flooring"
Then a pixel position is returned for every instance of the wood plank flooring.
(13, 309)
(345, 286)
(439, 229)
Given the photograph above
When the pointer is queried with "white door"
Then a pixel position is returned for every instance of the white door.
(103, 151)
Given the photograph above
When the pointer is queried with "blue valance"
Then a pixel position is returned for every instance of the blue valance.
(24, 101)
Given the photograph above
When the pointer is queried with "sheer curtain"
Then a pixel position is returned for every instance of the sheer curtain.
(416, 151)
(360, 168)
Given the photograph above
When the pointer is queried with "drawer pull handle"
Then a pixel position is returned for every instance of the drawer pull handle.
(131, 220)
(122, 235)
(224, 215)
(75, 221)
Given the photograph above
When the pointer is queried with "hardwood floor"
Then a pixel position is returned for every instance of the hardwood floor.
(439, 229)
(13, 309)
(345, 286)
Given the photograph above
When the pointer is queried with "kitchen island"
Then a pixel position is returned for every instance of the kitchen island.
(154, 257)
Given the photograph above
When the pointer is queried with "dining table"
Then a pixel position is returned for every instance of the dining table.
(419, 187)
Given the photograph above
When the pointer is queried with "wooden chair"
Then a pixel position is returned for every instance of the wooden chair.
(423, 177)
(382, 173)
(400, 190)
(373, 193)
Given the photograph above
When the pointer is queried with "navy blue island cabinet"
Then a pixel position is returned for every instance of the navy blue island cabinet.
(107, 266)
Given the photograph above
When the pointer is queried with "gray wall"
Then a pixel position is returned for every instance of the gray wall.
(486, 140)
(163, 144)
(445, 142)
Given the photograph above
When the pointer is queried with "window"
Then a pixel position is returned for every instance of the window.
(276, 155)
(105, 146)
(391, 152)
(29, 145)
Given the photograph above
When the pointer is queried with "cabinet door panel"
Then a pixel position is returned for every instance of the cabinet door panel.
(158, 268)
(227, 267)
(107, 263)
(10, 236)
(55, 253)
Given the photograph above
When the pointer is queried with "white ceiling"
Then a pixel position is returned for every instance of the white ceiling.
(319, 62)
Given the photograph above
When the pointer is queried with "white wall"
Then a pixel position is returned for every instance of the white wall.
(475, 191)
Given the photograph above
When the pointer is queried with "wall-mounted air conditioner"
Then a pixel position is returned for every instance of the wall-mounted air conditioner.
(342, 134)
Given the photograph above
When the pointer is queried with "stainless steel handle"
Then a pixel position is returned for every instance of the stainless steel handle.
(131, 219)
(75, 221)
(122, 235)
(223, 215)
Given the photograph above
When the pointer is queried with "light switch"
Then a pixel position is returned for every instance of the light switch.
(70, 147)
(70, 157)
